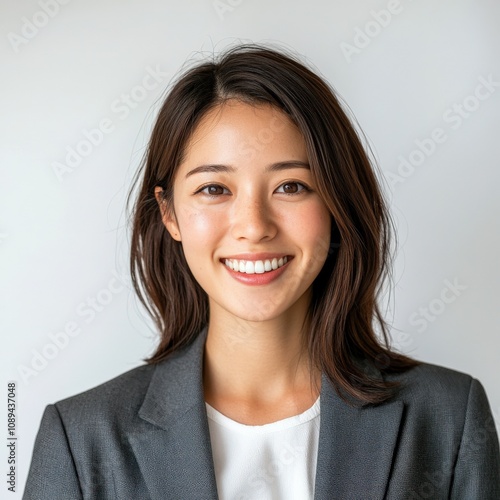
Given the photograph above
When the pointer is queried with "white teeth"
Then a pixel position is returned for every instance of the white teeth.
(259, 267)
(255, 267)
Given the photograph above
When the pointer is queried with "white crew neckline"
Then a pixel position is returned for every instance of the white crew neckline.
(284, 423)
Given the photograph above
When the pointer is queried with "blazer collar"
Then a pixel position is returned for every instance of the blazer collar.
(176, 385)
(356, 444)
(174, 453)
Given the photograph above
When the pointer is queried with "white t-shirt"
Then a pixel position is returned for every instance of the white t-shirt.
(275, 461)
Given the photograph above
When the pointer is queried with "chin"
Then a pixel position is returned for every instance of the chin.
(265, 313)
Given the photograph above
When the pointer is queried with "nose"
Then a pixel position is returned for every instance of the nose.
(252, 219)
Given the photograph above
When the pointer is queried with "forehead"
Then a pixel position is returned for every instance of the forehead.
(238, 132)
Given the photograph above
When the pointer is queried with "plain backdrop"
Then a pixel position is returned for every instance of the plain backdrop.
(421, 77)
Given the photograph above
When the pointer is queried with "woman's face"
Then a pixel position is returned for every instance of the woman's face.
(244, 193)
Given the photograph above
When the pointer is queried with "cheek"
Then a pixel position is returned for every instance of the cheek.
(199, 227)
(310, 223)
(313, 227)
(201, 232)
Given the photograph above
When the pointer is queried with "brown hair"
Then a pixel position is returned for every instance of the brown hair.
(344, 311)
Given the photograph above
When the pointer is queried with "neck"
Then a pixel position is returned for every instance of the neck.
(258, 362)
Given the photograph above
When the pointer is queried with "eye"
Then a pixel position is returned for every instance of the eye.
(211, 190)
(292, 187)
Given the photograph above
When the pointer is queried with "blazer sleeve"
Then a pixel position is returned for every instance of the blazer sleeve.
(52, 474)
(477, 469)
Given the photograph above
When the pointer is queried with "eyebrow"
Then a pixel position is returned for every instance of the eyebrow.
(274, 167)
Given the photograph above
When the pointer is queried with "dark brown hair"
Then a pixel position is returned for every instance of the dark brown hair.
(344, 311)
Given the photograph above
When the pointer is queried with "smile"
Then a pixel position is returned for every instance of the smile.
(257, 266)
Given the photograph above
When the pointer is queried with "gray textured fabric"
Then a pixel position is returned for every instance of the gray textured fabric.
(144, 436)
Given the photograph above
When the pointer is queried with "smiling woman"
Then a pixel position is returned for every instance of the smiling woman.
(260, 242)
(265, 208)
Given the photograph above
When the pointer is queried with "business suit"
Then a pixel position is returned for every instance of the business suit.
(144, 435)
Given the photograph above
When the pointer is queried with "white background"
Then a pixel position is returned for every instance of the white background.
(63, 239)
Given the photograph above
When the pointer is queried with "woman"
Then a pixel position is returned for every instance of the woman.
(260, 241)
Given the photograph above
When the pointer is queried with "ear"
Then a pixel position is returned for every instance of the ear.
(167, 216)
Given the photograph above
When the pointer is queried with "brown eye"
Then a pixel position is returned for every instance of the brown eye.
(214, 189)
(211, 190)
(293, 188)
(290, 187)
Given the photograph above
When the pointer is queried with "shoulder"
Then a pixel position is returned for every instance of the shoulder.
(165, 388)
(446, 417)
(427, 380)
(433, 384)
(441, 394)
(119, 397)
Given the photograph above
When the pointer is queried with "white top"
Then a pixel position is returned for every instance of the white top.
(275, 461)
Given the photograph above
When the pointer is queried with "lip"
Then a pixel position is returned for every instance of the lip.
(257, 256)
(258, 279)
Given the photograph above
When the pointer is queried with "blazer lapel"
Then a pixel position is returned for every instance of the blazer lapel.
(356, 447)
(174, 454)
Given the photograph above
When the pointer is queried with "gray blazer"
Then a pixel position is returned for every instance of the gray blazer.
(144, 436)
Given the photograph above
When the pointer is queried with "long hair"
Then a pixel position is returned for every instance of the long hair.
(344, 312)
